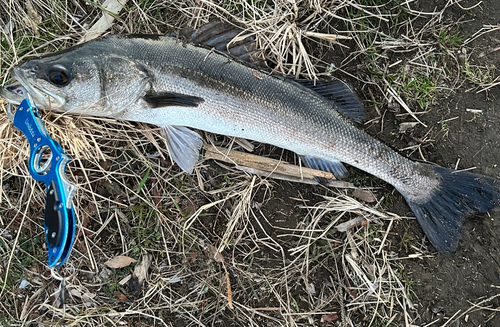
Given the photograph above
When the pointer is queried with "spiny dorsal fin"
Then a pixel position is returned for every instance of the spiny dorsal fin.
(345, 100)
(219, 35)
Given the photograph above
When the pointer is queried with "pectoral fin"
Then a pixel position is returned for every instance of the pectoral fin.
(172, 99)
(183, 146)
(332, 166)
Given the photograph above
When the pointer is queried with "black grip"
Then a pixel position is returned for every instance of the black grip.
(53, 217)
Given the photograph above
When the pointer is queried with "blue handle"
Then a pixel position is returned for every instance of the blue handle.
(47, 163)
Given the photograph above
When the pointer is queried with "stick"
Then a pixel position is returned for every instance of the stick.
(271, 167)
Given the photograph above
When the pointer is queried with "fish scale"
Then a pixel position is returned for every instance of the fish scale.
(162, 81)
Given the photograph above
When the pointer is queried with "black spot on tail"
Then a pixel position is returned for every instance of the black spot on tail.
(460, 195)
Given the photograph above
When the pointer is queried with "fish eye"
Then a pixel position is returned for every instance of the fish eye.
(58, 75)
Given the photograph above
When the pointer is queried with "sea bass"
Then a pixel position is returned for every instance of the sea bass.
(178, 86)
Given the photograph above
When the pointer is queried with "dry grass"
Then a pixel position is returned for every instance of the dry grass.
(219, 257)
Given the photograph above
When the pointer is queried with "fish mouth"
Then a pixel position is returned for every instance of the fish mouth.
(15, 93)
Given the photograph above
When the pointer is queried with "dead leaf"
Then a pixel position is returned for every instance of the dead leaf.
(120, 262)
(364, 195)
(344, 227)
(329, 318)
(122, 297)
(86, 297)
(141, 270)
(188, 206)
(214, 254)
(245, 144)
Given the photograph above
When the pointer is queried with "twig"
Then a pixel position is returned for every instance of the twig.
(262, 164)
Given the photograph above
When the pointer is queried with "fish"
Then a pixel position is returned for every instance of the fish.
(180, 86)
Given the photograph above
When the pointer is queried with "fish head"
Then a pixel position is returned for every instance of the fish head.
(94, 79)
(56, 82)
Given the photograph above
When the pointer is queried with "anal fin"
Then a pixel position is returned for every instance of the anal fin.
(333, 166)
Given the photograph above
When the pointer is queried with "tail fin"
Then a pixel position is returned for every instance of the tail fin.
(460, 195)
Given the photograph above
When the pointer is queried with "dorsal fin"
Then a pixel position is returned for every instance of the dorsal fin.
(345, 100)
(220, 36)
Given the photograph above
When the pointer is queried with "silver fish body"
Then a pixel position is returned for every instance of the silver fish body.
(161, 81)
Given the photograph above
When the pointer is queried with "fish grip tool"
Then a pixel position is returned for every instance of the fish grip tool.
(47, 163)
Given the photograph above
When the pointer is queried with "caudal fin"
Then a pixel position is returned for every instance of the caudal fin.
(460, 195)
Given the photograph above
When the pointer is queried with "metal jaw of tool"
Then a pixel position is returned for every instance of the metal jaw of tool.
(47, 163)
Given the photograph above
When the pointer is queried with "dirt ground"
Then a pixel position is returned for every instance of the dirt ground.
(284, 261)
(446, 283)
